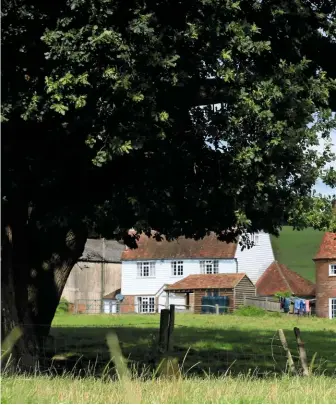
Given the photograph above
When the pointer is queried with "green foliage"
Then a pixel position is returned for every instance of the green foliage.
(129, 85)
(283, 294)
(250, 311)
(63, 307)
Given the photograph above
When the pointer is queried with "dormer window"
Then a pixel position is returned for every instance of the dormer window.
(332, 269)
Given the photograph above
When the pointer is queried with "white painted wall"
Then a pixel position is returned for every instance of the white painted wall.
(179, 300)
(133, 285)
(255, 261)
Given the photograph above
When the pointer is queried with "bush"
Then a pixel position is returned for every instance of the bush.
(63, 307)
(250, 311)
(281, 294)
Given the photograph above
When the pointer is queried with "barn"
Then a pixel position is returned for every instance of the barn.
(96, 277)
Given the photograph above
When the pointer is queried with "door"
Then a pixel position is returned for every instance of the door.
(107, 307)
(111, 307)
(332, 308)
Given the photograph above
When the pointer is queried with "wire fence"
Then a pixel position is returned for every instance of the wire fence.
(113, 307)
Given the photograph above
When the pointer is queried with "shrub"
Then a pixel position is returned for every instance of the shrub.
(62, 307)
(250, 311)
(283, 294)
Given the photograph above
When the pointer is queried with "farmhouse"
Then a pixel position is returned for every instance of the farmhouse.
(97, 274)
(148, 270)
(279, 278)
(234, 287)
(325, 263)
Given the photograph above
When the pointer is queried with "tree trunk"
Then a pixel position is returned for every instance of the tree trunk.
(35, 267)
(59, 248)
(14, 297)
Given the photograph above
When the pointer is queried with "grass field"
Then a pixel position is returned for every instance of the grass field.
(213, 343)
(223, 359)
(296, 250)
(318, 390)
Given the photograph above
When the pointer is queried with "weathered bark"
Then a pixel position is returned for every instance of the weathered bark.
(35, 267)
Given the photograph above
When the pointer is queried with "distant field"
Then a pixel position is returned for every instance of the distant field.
(296, 249)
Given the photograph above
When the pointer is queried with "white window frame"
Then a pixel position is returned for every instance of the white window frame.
(177, 268)
(332, 303)
(146, 269)
(255, 239)
(332, 270)
(209, 266)
(146, 305)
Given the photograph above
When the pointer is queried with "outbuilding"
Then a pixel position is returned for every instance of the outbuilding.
(197, 286)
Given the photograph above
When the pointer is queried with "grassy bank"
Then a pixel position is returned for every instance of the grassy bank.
(284, 390)
(296, 250)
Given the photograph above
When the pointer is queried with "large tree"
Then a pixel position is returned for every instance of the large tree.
(103, 128)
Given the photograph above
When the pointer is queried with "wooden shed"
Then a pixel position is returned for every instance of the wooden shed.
(235, 286)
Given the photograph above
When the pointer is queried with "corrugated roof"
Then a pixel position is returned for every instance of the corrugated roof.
(278, 278)
(327, 249)
(204, 281)
(181, 248)
(93, 251)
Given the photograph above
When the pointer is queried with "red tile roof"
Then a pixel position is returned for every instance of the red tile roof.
(278, 278)
(181, 248)
(200, 281)
(327, 249)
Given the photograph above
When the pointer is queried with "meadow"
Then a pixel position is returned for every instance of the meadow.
(222, 359)
(296, 250)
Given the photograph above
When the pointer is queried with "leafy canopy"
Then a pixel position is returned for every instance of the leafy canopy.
(123, 92)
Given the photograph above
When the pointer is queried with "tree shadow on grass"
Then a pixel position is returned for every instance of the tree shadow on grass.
(200, 351)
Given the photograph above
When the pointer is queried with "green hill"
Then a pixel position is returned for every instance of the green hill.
(296, 250)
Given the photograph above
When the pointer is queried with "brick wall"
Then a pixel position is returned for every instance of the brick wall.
(325, 287)
(127, 304)
(78, 308)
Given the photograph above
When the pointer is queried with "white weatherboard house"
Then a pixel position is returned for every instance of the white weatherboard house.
(149, 269)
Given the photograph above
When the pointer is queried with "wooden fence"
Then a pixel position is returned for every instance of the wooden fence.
(269, 304)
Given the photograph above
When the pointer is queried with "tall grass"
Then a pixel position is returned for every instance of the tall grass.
(318, 389)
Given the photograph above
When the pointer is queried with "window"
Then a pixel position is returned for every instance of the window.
(332, 308)
(213, 293)
(332, 269)
(146, 269)
(177, 268)
(209, 266)
(146, 305)
(255, 239)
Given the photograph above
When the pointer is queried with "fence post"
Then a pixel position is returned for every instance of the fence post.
(302, 352)
(164, 329)
(217, 309)
(286, 349)
(171, 327)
